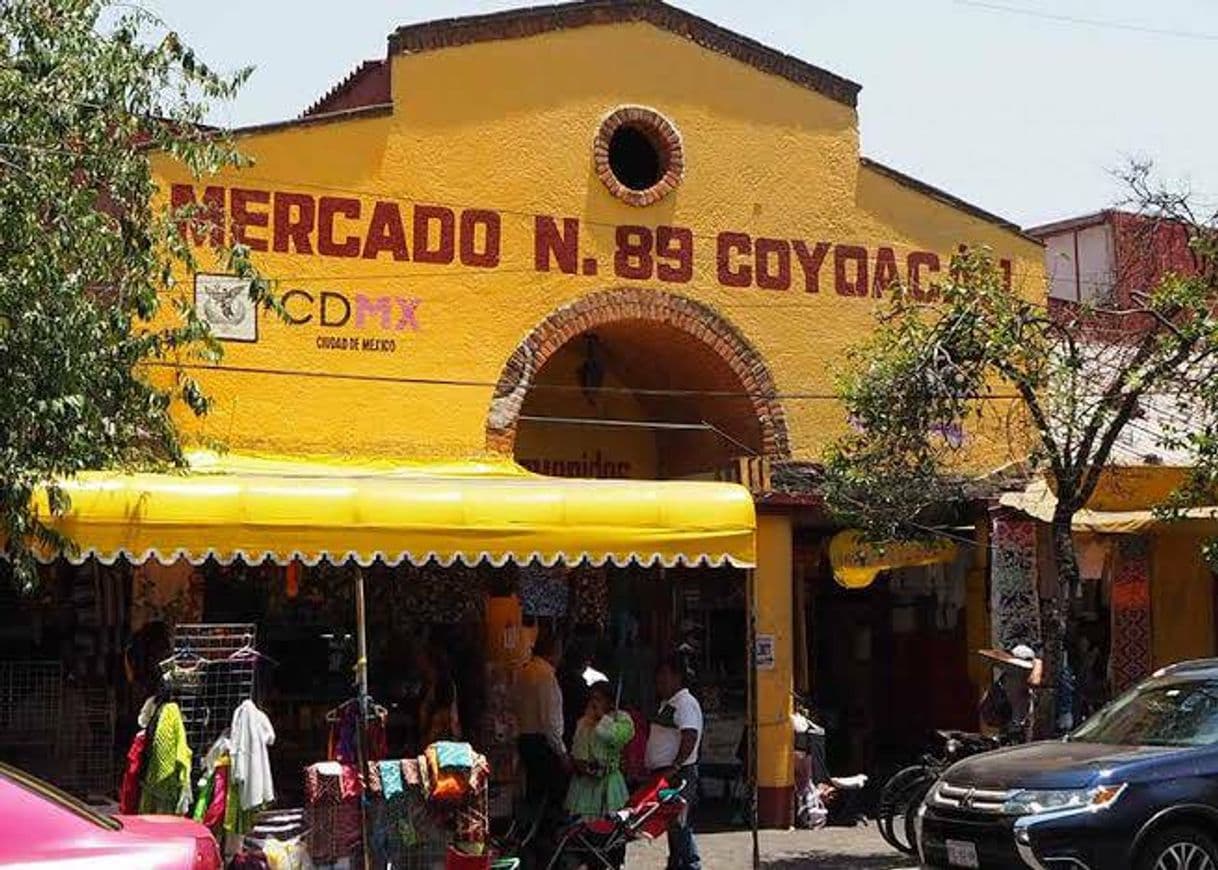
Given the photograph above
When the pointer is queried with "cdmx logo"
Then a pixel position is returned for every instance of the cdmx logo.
(332, 309)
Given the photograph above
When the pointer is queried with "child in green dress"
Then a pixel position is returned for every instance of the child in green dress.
(598, 787)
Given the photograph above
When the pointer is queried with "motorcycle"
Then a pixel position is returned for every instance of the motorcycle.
(903, 793)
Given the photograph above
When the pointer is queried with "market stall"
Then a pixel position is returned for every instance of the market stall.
(408, 520)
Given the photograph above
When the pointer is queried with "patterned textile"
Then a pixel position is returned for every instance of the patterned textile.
(344, 736)
(543, 591)
(471, 823)
(1014, 604)
(391, 778)
(1130, 659)
(450, 754)
(442, 596)
(166, 786)
(590, 585)
(332, 811)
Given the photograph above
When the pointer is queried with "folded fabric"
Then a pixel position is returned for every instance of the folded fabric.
(410, 773)
(425, 779)
(449, 786)
(454, 756)
(329, 782)
(373, 779)
(391, 779)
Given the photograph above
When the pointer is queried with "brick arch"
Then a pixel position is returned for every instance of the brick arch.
(611, 306)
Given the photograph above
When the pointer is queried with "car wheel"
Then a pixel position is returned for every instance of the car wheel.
(1179, 849)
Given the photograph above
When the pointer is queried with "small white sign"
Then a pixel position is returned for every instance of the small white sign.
(224, 304)
(764, 652)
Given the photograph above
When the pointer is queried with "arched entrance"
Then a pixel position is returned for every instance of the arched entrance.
(675, 391)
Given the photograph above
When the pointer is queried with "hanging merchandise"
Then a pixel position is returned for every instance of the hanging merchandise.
(332, 794)
(590, 585)
(439, 595)
(212, 799)
(1093, 554)
(129, 792)
(1131, 658)
(165, 783)
(1014, 604)
(251, 734)
(543, 591)
(345, 734)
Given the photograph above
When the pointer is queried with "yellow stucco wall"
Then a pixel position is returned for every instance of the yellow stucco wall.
(1182, 599)
(491, 126)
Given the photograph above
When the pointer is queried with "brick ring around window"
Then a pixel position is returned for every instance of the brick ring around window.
(638, 155)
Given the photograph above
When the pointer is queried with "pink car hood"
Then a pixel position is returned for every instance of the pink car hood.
(40, 833)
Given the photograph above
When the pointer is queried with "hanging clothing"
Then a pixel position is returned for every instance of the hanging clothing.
(600, 788)
(635, 752)
(203, 797)
(129, 792)
(344, 736)
(165, 788)
(212, 802)
(1014, 600)
(251, 734)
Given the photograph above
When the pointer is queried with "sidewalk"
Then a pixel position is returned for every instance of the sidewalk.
(839, 848)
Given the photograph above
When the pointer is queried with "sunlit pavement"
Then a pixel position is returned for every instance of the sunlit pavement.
(859, 847)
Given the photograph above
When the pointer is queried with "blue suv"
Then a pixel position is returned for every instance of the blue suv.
(1136, 786)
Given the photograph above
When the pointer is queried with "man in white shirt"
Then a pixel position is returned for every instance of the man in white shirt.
(672, 752)
(539, 724)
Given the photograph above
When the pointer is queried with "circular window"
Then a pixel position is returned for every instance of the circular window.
(638, 155)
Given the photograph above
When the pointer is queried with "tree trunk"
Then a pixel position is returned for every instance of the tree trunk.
(1055, 627)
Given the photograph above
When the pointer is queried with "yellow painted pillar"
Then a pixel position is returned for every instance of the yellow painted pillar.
(772, 602)
(977, 610)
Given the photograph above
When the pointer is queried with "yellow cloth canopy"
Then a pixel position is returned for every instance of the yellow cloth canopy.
(856, 562)
(1038, 501)
(230, 507)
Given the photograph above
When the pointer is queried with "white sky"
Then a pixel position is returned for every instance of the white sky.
(1023, 115)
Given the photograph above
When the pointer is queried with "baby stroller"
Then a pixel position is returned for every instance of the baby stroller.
(599, 843)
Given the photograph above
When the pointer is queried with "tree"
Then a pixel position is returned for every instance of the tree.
(1065, 382)
(86, 94)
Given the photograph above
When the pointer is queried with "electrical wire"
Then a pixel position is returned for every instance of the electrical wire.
(1088, 22)
(571, 388)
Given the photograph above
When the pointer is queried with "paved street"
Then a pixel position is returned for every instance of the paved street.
(859, 848)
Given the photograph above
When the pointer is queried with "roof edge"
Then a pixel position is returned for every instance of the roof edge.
(946, 198)
(375, 110)
(536, 20)
(1073, 223)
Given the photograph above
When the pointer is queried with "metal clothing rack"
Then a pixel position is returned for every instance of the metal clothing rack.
(223, 680)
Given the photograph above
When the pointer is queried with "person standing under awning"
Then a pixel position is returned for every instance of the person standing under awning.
(539, 718)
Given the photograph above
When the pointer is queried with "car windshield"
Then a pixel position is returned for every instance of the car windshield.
(65, 801)
(1183, 713)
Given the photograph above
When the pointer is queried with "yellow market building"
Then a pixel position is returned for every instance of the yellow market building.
(598, 240)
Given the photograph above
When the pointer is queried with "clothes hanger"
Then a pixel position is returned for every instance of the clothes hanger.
(179, 656)
(247, 651)
(375, 710)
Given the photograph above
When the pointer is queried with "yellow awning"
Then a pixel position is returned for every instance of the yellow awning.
(230, 507)
(856, 562)
(1038, 501)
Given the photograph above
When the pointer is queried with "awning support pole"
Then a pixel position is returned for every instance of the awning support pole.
(361, 689)
(751, 585)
